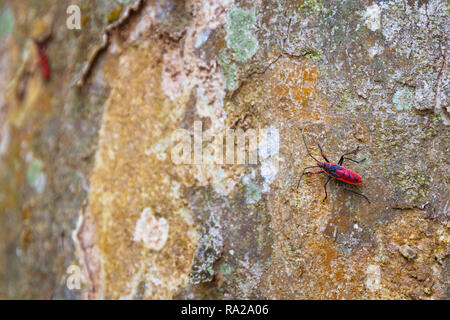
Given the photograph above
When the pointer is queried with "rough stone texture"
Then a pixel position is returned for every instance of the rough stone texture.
(84, 155)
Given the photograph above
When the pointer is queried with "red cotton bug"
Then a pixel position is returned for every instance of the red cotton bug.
(335, 171)
(43, 60)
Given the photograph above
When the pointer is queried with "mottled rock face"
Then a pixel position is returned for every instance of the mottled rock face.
(408, 252)
(130, 148)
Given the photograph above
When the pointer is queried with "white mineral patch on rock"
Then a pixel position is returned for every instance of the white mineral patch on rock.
(375, 50)
(143, 25)
(4, 140)
(159, 149)
(373, 277)
(153, 232)
(269, 142)
(268, 149)
(373, 17)
(39, 184)
(202, 36)
(269, 170)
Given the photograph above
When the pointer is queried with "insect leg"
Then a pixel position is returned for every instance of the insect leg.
(359, 194)
(356, 161)
(346, 154)
(303, 173)
(325, 187)
(322, 154)
(309, 153)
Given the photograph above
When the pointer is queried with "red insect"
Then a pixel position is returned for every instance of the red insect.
(335, 171)
(43, 60)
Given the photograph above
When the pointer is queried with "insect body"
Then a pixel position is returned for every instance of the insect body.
(43, 60)
(336, 171)
(340, 173)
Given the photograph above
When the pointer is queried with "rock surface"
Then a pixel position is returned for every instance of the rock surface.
(91, 173)
(408, 252)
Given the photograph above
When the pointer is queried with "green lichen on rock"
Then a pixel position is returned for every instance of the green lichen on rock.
(208, 251)
(403, 99)
(239, 37)
(225, 268)
(414, 187)
(33, 171)
(314, 54)
(311, 6)
(229, 73)
(346, 101)
(6, 23)
(252, 193)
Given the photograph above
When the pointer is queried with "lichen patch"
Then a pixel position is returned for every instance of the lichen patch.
(151, 231)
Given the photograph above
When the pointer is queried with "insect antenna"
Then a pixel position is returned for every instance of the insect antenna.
(308, 149)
